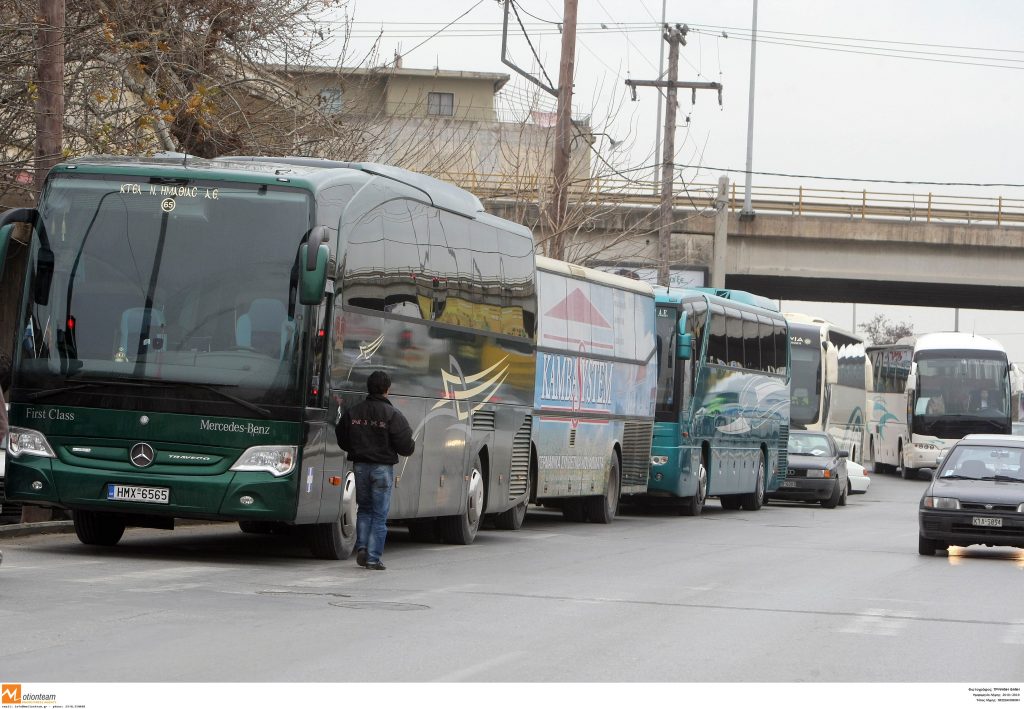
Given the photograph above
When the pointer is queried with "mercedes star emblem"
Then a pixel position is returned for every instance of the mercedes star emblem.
(142, 455)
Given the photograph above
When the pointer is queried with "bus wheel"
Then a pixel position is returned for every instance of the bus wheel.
(98, 528)
(693, 506)
(730, 502)
(752, 501)
(602, 508)
(336, 540)
(513, 518)
(574, 510)
(462, 529)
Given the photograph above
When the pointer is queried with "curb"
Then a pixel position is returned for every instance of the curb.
(29, 528)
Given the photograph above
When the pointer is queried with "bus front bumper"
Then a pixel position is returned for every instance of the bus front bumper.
(48, 482)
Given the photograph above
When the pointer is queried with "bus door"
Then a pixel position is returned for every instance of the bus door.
(318, 500)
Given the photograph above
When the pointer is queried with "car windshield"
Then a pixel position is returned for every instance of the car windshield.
(984, 463)
(812, 444)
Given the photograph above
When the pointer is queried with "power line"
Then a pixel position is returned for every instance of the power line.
(854, 179)
(410, 51)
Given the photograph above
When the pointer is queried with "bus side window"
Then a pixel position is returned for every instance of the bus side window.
(766, 339)
(734, 330)
(717, 342)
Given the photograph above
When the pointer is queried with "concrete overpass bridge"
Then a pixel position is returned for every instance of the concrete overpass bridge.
(801, 244)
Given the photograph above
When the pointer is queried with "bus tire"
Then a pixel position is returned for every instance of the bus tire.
(753, 501)
(602, 508)
(512, 519)
(98, 528)
(336, 540)
(729, 502)
(693, 506)
(574, 510)
(462, 528)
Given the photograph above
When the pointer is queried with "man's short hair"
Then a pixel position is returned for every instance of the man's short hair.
(378, 383)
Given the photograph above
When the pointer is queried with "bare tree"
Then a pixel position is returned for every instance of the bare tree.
(882, 331)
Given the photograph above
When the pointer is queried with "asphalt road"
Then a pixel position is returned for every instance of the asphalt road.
(791, 593)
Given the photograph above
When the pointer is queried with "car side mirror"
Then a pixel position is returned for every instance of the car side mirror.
(844, 454)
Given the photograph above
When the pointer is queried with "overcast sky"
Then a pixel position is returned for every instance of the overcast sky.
(836, 95)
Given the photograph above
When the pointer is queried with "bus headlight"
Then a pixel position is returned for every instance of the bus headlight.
(926, 446)
(659, 459)
(25, 441)
(942, 503)
(276, 460)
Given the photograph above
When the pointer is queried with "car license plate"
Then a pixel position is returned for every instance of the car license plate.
(135, 493)
(789, 483)
(987, 521)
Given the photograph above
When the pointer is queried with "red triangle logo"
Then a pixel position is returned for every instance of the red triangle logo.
(578, 308)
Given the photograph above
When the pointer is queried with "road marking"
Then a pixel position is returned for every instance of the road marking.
(478, 668)
(171, 573)
(879, 621)
(1015, 633)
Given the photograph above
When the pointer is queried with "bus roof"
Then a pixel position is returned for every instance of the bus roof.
(825, 326)
(733, 297)
(951, 341)
(310, 173)
(593, 275)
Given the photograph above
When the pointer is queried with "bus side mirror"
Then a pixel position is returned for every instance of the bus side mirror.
(313, 281)
(684, 346)
(912, 382)
(831, 364)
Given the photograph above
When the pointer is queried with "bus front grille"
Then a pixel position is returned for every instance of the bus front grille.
(519, 470)
(636, 452)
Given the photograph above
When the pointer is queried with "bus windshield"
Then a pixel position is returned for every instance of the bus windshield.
(172, 291)
(806, 383)
(959, 388)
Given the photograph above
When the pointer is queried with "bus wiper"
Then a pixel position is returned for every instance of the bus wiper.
(265, 413)
(75, 387)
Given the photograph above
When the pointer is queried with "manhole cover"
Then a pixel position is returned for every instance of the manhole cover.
(379, 606)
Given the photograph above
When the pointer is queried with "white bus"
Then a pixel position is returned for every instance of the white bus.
(595, 389)
(831, 378)
(929, 392)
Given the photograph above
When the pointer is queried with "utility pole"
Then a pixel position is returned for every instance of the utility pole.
(563, 131)
(675, 36)
(748, 211)
(50, 101)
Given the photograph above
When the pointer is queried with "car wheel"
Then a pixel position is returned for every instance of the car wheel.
(833, 499)
(925, 547)
(846, 493)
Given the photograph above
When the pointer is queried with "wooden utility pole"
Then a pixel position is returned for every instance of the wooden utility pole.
(50, 100)
(675, 36)
(559, 206)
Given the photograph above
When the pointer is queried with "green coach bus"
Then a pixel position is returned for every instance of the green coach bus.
(722, 411)
(190, 331)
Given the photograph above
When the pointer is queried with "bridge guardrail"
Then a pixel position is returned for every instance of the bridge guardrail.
(795, 201)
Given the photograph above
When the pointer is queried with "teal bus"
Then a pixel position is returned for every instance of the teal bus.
(190, 331)
(722, 410)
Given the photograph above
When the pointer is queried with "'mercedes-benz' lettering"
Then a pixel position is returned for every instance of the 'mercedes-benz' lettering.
(234, 427)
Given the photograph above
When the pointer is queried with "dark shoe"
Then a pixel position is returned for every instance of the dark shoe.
(375, 566)
(361, 557)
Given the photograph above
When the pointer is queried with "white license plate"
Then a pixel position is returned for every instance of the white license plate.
(789, 483)
(135, 493)
(987, 521)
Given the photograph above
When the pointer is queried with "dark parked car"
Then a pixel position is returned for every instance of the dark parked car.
(976, 496)
(817, 470)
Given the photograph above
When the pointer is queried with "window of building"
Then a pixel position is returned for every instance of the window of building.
(331, 100)
(440, 104)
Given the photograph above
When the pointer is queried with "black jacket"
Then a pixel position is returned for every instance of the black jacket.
(374, 431)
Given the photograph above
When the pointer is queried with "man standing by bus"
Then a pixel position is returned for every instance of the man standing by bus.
(374, 433)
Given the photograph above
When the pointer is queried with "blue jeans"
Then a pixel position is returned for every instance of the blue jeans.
(374, 482)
